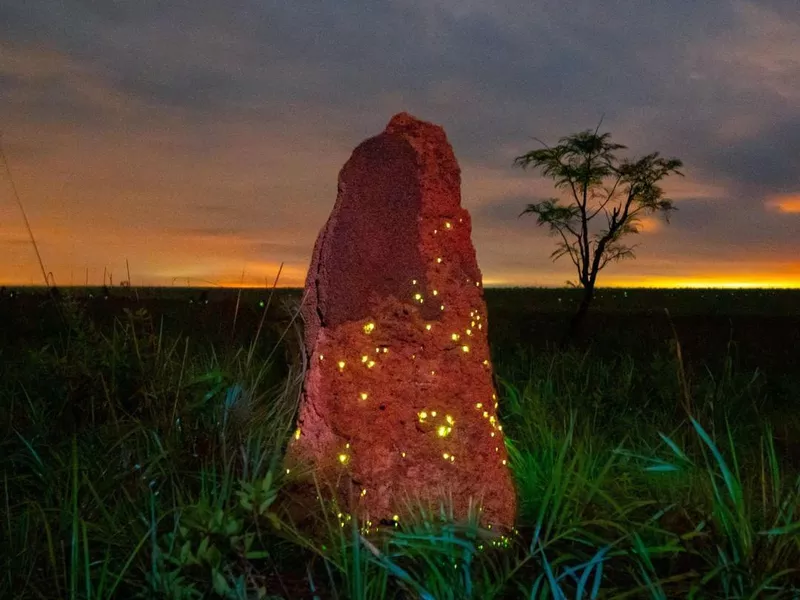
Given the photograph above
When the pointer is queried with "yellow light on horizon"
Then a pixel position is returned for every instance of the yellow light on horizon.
(712, 282)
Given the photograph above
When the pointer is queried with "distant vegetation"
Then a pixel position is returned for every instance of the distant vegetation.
(597, 184)
(141, 445)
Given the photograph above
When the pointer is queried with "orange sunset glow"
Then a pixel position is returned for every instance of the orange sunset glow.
(202, 147)
(789, 204)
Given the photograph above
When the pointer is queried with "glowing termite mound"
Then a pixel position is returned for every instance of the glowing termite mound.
(398, 405)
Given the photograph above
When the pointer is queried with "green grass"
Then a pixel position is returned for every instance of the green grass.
(140, 464)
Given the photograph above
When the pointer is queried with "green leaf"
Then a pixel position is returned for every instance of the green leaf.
(221, 586)
(203, 548)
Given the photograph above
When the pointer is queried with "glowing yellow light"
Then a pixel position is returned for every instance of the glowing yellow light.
(369, 328)
(492, 419)
(433, 372)
(364, 395)
(363, 493)
(413, 282)
(446, 456)
(448, 225)
(443, 430)
(486, 414)
(288, 471)
(479, 405)
(343, 458)
(494, 396)
(480, 326)
(370, 364)
(478, 318)
(413, 356)
(496, 449)
(403, 454)
(499, 428)
(472, 324)
(449, 419)
(465, 348)
(439, 259)
(341, 364)
(321, 356)
(441, 307)
(435, 231)
(433, 413)
(364, 358)
(385, 349)
(486, 362)
(435, 292)
(469, 331)
(423, 415)
(455, 337)
(428, 326)
(418, 297)
(395, 518)
(297, 433)
(492, 434)
(477, 284)
(452, 458)
(504, 461)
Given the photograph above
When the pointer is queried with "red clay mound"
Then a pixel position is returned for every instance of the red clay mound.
(398, 403)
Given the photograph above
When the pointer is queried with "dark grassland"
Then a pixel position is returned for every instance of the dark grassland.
(141, 433)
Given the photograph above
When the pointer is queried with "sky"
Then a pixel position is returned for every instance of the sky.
(200, 141)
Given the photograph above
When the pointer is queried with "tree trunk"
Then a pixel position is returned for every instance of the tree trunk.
(575, 329)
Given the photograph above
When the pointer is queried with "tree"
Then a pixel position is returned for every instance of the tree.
(581, 165)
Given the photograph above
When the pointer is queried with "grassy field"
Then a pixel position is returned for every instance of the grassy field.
(142, 433)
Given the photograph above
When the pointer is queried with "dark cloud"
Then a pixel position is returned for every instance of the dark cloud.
(768, 162)
(740, 222)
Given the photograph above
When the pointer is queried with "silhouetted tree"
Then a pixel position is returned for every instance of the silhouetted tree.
(597, 183)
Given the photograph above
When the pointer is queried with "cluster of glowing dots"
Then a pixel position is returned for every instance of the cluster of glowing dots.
(473, 314)
(442, 430)
(475, 322)
(496, 427)
(368, 328)
(345, 518)
(344, 457)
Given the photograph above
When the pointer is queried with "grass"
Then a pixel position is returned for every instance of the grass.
(136, 463)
